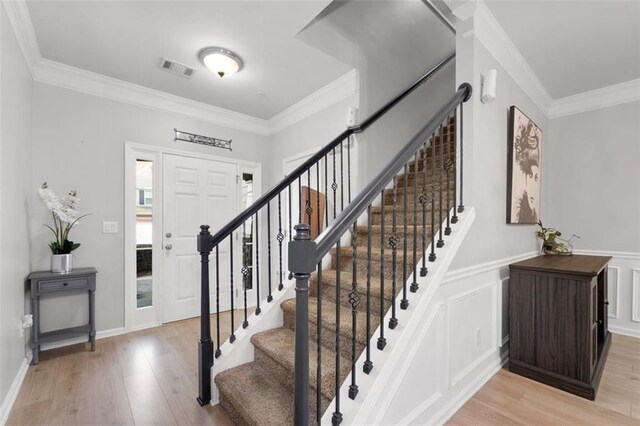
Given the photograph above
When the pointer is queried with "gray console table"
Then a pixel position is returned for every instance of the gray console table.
(46, 283)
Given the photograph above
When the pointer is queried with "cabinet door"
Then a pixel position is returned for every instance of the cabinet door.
(593, 321)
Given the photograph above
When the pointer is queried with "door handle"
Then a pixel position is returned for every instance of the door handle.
(168, 246)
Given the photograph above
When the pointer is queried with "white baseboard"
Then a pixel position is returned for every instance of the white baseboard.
(466, 393)
(625, 331)
(11, 396)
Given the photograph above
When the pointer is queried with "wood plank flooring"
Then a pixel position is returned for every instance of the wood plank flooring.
(145, 377)
(509, 399)
(150, 377)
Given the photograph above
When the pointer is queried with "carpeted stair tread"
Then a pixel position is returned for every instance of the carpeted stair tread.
(330, 279)
(251, 397)
(329, 318)
(279, 345)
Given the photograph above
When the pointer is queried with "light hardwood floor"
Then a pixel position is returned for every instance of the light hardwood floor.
(150, 377)
(145, 377)
(509, 399)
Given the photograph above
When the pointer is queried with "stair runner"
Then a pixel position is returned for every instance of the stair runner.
(262, 392)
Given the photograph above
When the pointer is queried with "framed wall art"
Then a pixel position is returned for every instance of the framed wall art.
(523, 169)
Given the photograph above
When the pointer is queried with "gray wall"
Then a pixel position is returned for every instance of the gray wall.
(78, 141)
(15, 196)
(490, 238)
(593, 169)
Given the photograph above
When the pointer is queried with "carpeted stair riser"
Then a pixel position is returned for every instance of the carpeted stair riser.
(415, 200)
(376, 214)
(422, 182)
(438, 161)
(329, 291)
(328, 325)
(275, 353)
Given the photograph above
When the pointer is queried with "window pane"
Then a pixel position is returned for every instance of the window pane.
(144, 233)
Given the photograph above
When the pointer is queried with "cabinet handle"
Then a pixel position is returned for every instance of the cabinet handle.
(606, 302)
(65, 284)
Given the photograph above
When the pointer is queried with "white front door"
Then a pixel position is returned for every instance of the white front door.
(196, 192)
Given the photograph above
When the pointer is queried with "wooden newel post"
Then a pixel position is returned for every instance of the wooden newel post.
(205, 345)
(302, 261)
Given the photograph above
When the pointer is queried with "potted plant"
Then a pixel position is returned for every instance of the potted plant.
(66, 214)
(552, 243)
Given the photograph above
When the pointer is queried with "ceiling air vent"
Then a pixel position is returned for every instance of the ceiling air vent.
(176, 68)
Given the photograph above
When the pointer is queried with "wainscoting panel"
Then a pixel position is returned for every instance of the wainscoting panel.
(624, 291)
(614, 291)
(503, 302)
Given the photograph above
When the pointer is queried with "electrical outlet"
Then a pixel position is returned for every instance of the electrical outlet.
(109, 227)
(477, 337)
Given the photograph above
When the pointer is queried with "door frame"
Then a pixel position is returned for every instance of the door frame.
(152, 316)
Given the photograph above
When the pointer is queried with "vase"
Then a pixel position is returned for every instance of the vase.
(61, 263)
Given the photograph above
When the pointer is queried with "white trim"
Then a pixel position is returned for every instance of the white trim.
(462, 273)
(20, 19)
(12, 395)
(470, 389)
(616, 254)
(635, 295)
(332, 93)
(625, 331)
(605, 97)
(489, 32)
(609, 283)
(72, 78)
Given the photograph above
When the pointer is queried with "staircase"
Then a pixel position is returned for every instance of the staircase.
(261, 392)
(350, 296)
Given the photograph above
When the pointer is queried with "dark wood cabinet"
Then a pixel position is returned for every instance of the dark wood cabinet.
(558, 321)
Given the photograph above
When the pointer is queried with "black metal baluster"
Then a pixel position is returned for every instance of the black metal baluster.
(334, 185)
(218, 351)
(245, 272)
(319, 346)
(354, 299)
(318, 218)
(341, 177)
(461, 206)
(454, 218)
(368, 365)
(326, 190)
(423, 202)
(382, 341)
(269, 297)
(447, 168)
(280, 238)
(349, 139)
(393, 242)
(432, 255)
(232, 338)
(308, 203)
(440, 168)
(299, 197)
(336, 418)
(290, 218)
(404, 302)
(414, 285)
(257, 268)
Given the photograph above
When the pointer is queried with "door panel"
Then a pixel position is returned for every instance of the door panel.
(196, 192)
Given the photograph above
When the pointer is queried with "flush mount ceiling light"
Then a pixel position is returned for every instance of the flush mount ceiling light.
(221, 61)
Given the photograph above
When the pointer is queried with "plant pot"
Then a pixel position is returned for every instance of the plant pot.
(61, 263)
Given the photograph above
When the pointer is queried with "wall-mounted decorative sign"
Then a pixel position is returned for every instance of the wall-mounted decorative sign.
(523, 169)
(202, 140)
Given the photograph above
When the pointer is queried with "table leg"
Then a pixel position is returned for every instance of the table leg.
(92, 319)
(35, 346)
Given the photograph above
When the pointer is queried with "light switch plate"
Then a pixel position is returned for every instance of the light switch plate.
(109, 227)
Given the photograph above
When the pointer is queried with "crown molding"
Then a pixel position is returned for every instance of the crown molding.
(20, 19)
(489, 32)
(605, 97)
(68, 77)
(337, 90)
